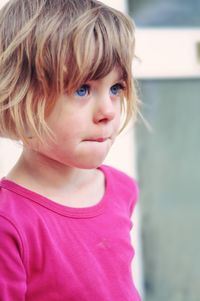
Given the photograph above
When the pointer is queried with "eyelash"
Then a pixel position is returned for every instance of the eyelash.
(120, 87)
(83, 86)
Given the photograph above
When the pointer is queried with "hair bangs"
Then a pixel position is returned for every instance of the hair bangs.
(100, 41)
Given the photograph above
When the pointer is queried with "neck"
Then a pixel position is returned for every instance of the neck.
(34, 168)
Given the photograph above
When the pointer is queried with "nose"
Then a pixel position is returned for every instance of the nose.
(105, 109)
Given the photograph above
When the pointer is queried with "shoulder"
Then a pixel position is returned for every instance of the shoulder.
(121, 180)
(14, 207)
(10, 231)
(10, 200)
(9, 213)
(17, 217)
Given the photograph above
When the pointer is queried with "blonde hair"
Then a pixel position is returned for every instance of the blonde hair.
(48, 47)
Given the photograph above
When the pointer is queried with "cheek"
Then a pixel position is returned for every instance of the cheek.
(117, 122)
(118, 116)
(63, 128)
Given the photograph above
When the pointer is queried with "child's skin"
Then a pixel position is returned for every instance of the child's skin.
(85, 125)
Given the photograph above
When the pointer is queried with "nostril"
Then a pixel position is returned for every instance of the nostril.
(104, 117)
(105, 109)
(104, 120)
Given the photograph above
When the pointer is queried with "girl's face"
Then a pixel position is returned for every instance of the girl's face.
(85, 123)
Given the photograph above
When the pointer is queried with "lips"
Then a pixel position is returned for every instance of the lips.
(99, 139)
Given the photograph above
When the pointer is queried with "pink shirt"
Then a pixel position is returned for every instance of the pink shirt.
(50, 252)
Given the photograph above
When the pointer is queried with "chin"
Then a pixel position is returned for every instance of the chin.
(91, 164)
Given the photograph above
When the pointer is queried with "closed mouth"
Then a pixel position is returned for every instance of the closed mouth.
(100, 139)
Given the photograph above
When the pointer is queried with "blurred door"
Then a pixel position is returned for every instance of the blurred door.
(168, 155)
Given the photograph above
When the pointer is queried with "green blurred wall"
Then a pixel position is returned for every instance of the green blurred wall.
(168, 168)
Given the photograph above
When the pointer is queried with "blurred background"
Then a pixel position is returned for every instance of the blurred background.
(167, 156)
(162, 152)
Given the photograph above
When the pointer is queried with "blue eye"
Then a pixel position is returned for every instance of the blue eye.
(116, 89)
(84, 90)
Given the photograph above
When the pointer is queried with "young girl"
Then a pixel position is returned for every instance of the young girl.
(65, 83)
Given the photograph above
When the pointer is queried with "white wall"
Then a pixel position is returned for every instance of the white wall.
(2, 2)
(9, 151)
(180, 60)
